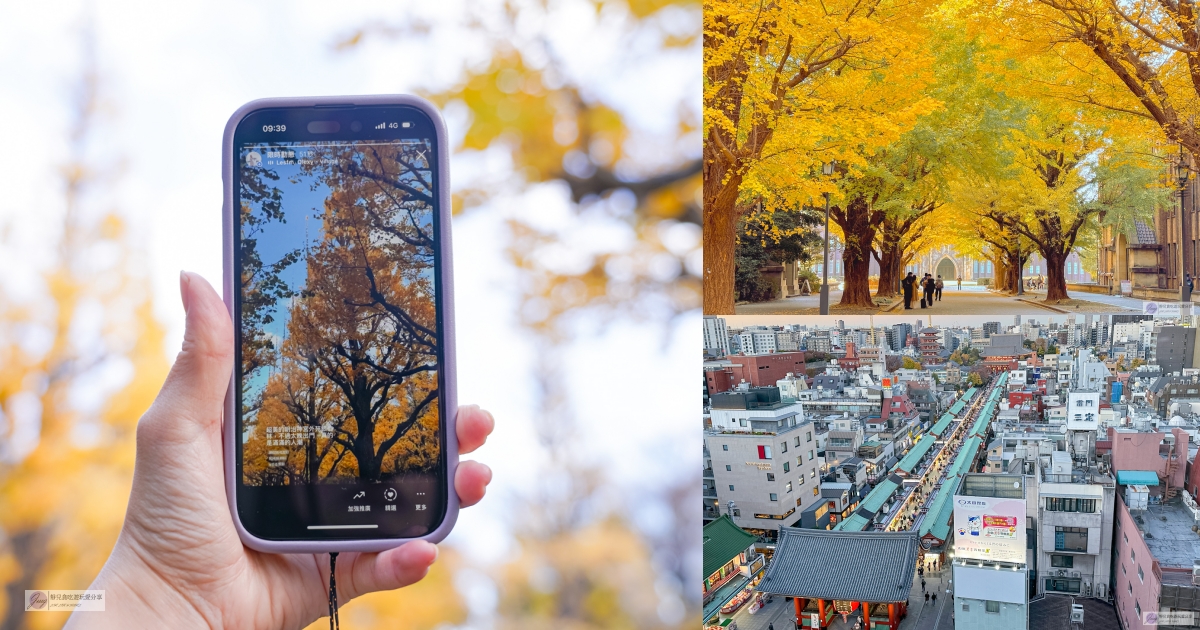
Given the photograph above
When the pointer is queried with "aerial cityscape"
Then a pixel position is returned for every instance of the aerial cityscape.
(1012, 473)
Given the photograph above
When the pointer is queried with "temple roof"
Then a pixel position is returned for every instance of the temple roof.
(873, 567)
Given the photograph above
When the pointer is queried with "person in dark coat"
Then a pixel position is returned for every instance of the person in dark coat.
(937, 288)
(907, 285)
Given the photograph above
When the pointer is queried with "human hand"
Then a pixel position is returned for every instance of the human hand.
(178, 562)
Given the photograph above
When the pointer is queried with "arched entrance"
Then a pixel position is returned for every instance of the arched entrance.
(947, 270)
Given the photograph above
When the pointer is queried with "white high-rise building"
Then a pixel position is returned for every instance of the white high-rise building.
(716, 335)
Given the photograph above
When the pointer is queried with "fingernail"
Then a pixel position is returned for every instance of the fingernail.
(436, 551)
(489, 473)
(185, 282)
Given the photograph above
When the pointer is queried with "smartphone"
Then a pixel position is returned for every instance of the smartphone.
(339, 420)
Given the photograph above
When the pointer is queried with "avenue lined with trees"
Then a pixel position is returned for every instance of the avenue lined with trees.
(1004, 128)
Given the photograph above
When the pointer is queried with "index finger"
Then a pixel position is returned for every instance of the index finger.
(474, 426)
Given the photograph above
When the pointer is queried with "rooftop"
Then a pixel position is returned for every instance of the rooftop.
(870, 566)
(723, 541)
(1167, 530)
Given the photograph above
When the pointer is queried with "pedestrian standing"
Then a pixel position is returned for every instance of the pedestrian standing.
(926, 598)
(922, 585)
(935, 598)
(929, 288)
(960, 283)
(938, 288)
(907, 286)
(771, 626)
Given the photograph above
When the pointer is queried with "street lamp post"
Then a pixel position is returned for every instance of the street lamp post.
(827, 170)
(1181, 174)
(1020, 269)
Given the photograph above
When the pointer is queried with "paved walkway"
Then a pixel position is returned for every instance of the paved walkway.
(971, 300)
(800, 305)
(1119, 301)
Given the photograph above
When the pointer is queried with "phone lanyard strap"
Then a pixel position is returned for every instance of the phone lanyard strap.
(333, 605)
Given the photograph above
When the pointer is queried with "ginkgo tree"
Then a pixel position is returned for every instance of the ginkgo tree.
(1136, 58)
(787, 87)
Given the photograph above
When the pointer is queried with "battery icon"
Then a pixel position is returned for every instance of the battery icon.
(406, 124)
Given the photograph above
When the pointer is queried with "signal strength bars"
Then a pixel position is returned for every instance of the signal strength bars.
(381, 126)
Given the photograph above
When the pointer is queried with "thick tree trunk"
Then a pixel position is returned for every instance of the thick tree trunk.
(1001, 278)
(858, 223)
(857, 263)
(889, 269)
(720, 233)
(1056, 276)
(1014, 271)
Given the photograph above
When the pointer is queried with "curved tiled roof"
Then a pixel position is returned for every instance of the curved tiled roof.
(856, 566)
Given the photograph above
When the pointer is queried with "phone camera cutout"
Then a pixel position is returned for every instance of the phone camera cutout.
(356, 126)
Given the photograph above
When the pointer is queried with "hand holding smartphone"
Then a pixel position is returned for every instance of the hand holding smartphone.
(339, 432)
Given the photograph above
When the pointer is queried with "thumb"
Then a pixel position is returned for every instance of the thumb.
(194, 392)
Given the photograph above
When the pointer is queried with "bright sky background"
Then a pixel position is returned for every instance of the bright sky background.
(174, 72)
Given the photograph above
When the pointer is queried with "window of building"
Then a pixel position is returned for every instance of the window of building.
(1130, 587)
(816, 490)
(813, 474)
(788, 487)
(728, 468)
(770, 476)
(743, 422)
(786, 466)
(1132, 555)
(802, 480)
(1070, 539)
(1137, 608)
(797, 440)
(1126, 537)
(811, 456)
(808, 436)
(774, 497)
(1057, 504)
(966, 607)
(1123, 572)
(1062, 561)
(1141, 576)
(992, 606)
(764, 451)
(783, 447)
(737, 512)
(731, 487)
(724, 447)
(1063, 584)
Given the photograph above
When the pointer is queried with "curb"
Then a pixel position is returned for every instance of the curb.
(1048, 308)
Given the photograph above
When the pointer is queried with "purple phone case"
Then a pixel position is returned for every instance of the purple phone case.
(446, 290)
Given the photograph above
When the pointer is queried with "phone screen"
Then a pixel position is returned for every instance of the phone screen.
(339, 324)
